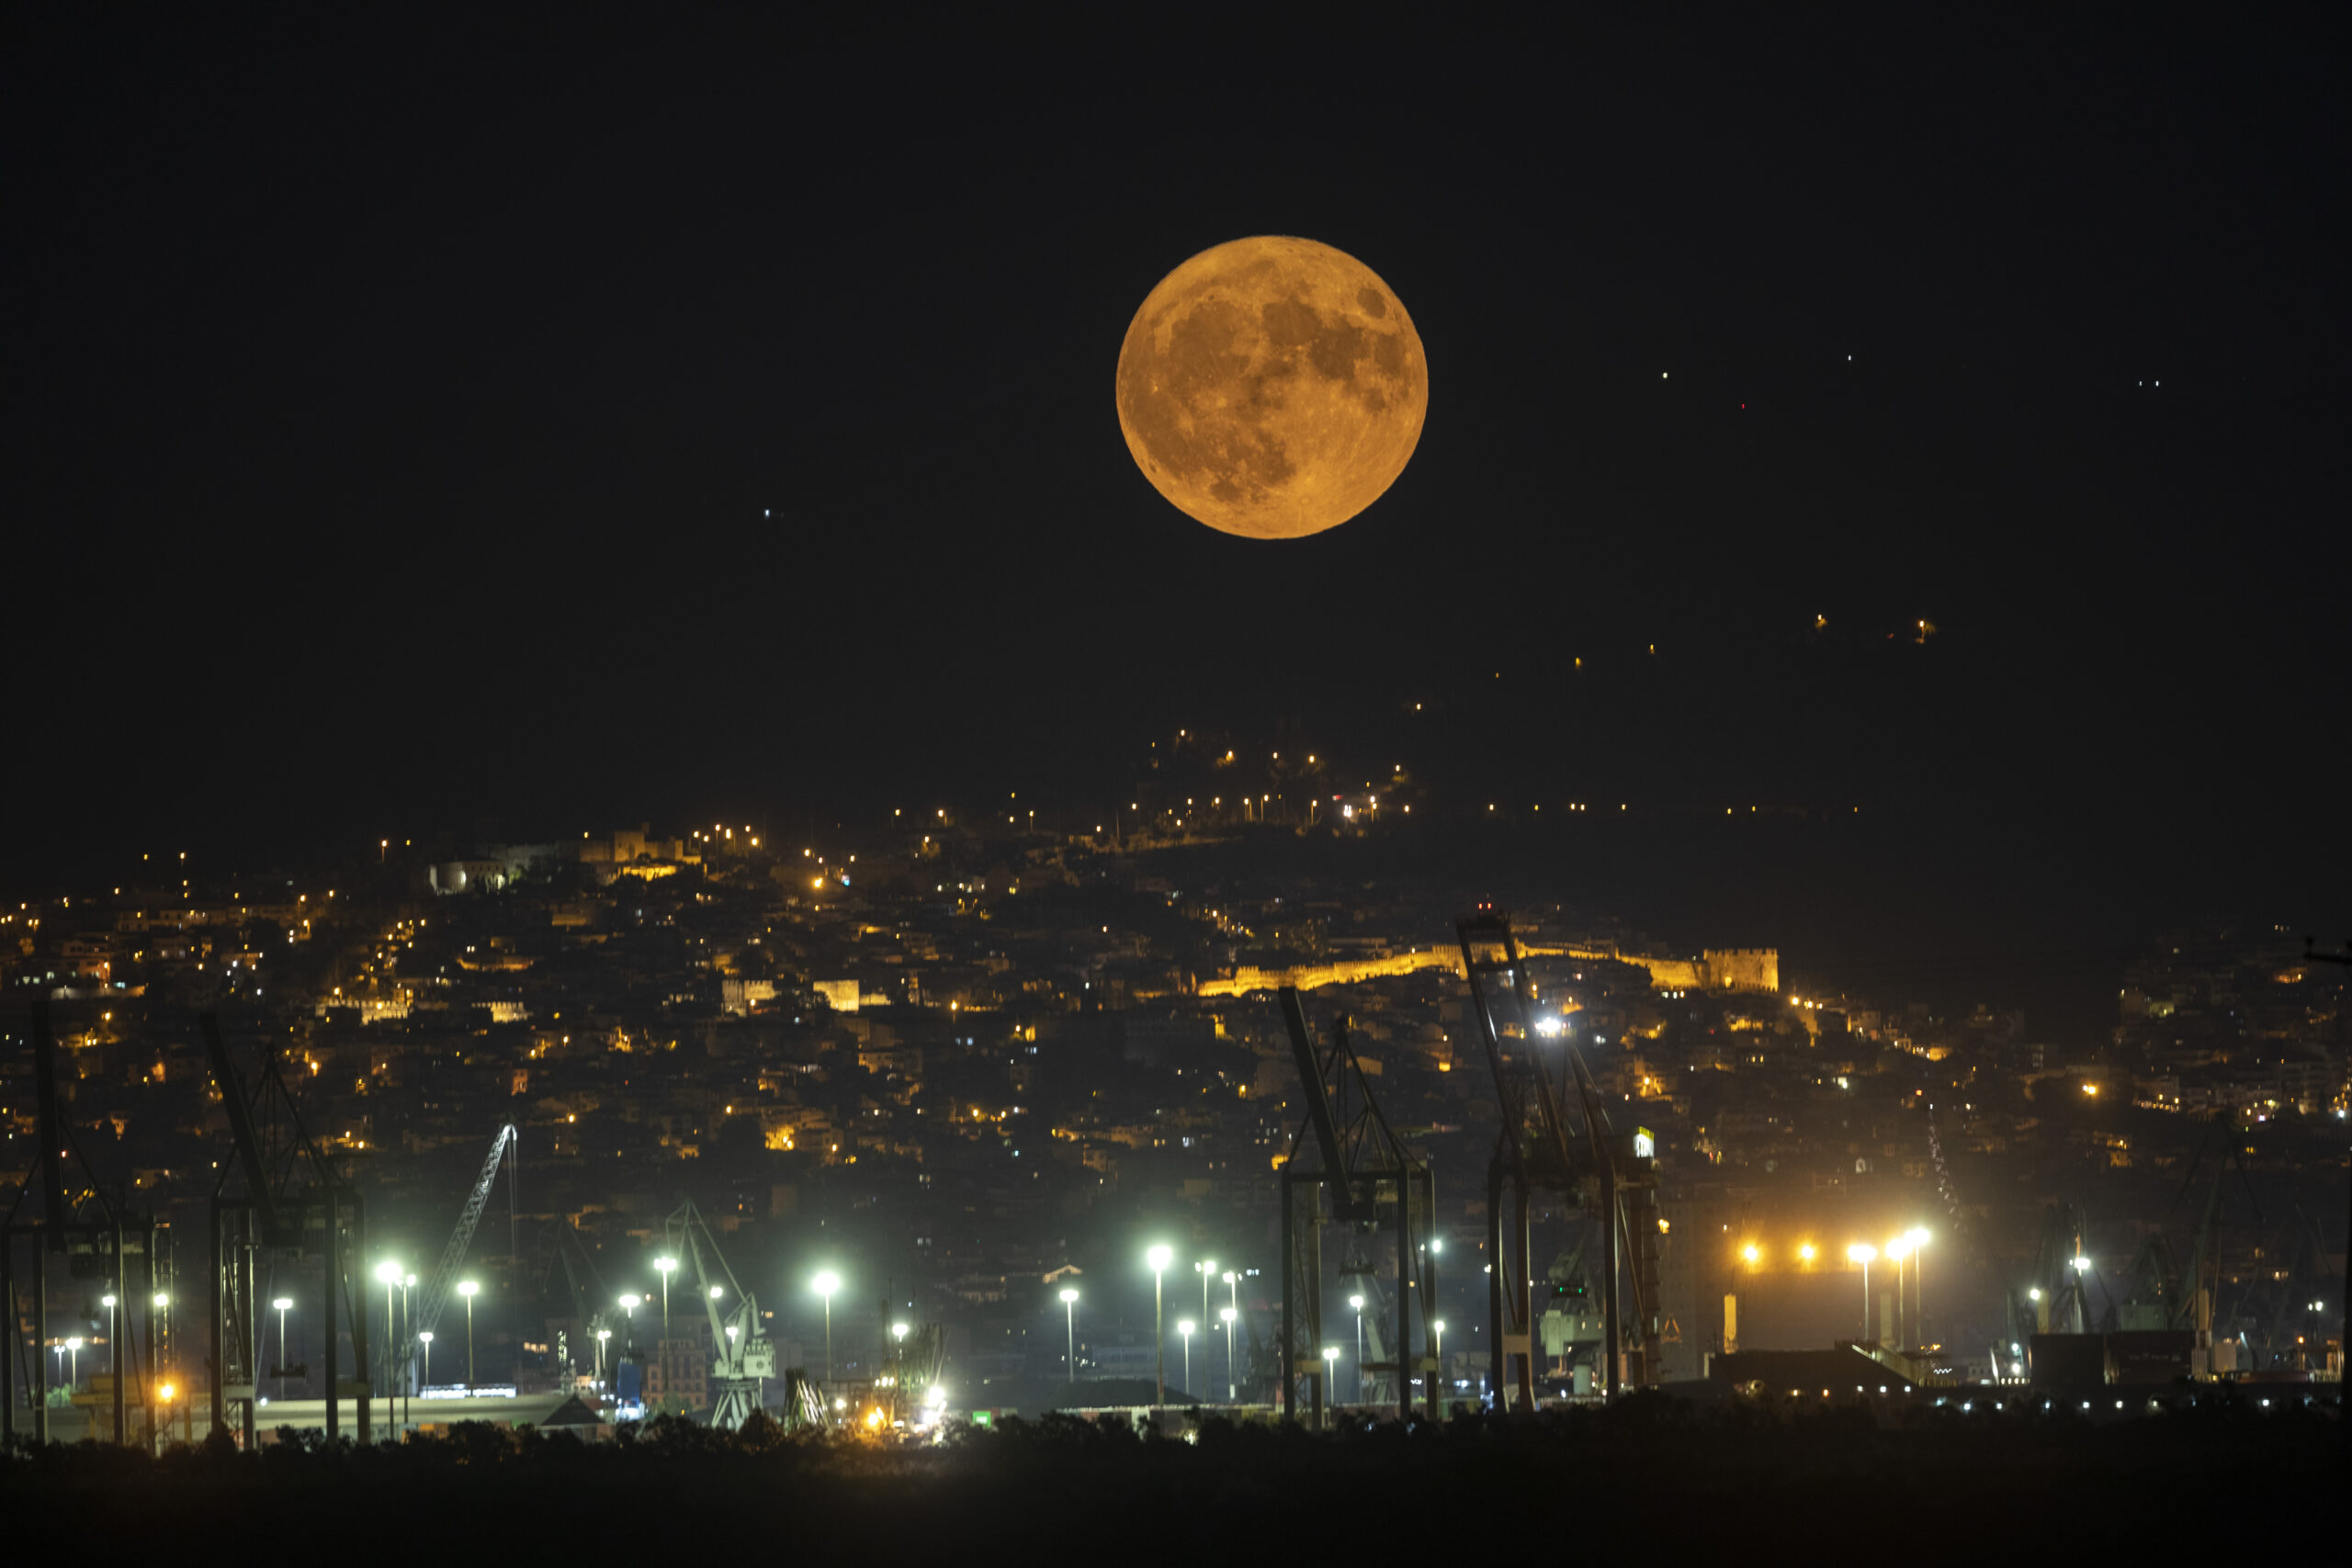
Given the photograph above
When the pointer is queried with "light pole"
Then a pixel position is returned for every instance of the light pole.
(1900, 1250)
(425, 1338)
(470, 1290)
(1159, 1258)
(1185, 1327)
(662, 1265)
(408, 1363)
(1330, 1367)
(390, 1275)
(602, 1334)
(1206, 1268)
(1861, 1252)
(1357, 1303)
(73, 1365)
(284, 1306)
(114, 1331)
(898, 1332)
(825, 1284)
(1070, 1327)
(163, 1339)
(1437, 1336)
(1230, 1316)
(1917, 1236)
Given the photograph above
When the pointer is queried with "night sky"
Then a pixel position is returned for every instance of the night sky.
(577, 423)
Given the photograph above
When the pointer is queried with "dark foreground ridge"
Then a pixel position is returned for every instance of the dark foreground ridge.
(1652, 1473)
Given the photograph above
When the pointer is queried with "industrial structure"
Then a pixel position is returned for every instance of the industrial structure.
(1373, 1188)
(101, 1238)
(1555, 1138)
(280, 1205)
(741, 1353)
(505, 1149)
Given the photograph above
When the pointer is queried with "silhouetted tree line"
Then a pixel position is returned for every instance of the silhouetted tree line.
(1647, 1473)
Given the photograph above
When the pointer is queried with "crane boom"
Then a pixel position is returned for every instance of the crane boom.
(445, 1273)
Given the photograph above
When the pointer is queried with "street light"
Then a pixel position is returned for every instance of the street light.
(408, 1368)
(1159, 1258)
(1898, 1249)
(1863, 1252)
(1331, 1368)
(389, 1275)
(662, 1265)
(1437, 1327)
(1232, 1392)
(1751, 1254)
(284, 1306)
(1069, 1326)
(825, 1284)
(1804, 1252)
(1357, 1303)
(1918, 1237)
(114, 1327)
(1206, 1270)
(425, 1338)
(73, 1374)
(467, 1289)
(602, 1334)
(1185, 1327)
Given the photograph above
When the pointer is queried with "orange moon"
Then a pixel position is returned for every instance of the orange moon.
(1271, 387)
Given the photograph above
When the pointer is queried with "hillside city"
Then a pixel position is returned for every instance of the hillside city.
(971, 1064)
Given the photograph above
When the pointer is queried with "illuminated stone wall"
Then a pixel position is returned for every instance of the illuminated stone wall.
(1743, 969)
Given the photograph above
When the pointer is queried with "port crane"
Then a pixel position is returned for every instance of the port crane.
(91, 1226)
(503, 1150)
(1545, 1145)
(552, 1251)
(740, 1354)
(1372, 1181)
(279, 1202)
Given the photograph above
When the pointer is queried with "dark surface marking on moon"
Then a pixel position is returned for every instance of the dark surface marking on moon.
(1337, 348)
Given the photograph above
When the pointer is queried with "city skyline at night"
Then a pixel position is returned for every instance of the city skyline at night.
(947, 777)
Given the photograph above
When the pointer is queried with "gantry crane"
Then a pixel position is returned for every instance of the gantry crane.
(1544, 1146)
(91, 1227)
(740, 1354)
(1365, 1168)
(293, 1208)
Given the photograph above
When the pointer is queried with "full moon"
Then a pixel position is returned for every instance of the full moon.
(1271, 387)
